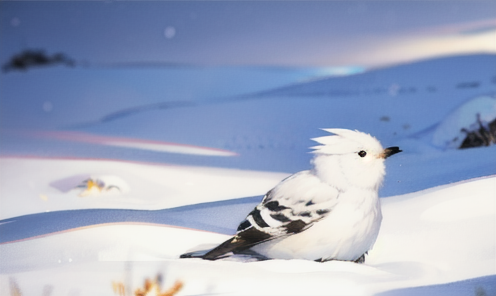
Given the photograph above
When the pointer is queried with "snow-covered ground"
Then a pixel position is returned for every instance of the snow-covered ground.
(177, 117)
(440, 235)
(94, 194)
(52, 185)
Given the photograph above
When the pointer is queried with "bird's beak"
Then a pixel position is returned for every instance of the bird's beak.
(390, 151)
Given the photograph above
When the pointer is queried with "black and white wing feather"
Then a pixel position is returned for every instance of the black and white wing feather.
(291, 207)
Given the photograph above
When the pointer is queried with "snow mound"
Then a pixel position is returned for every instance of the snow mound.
(452, 131)
(37, 185)
(436, 236)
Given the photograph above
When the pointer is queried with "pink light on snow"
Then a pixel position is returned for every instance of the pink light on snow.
(149, 145)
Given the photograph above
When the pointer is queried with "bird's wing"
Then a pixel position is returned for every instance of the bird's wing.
(291, 207)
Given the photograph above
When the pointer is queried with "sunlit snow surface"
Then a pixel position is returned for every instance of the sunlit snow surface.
(187, 172)
(440, 235)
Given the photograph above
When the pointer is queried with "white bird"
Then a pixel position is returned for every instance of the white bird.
(330, 212)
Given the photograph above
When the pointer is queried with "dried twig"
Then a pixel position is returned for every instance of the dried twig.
(150, 288)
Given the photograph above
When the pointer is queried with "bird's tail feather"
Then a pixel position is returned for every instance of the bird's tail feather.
(230, 245)
(236, 245)
(195, 254)
(218, 252)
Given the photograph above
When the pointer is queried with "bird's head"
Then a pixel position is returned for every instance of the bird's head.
(351, 158)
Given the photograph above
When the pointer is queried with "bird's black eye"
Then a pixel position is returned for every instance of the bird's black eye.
(362, 153)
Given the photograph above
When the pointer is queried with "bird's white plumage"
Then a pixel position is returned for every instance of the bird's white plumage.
(337, 161)
(349, 231)
(343, 141)
(330, 212)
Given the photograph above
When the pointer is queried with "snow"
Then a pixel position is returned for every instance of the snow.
(188, 173)
(51, 185)
(417, 246)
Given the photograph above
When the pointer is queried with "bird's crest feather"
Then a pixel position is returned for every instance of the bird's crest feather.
(344, 141)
